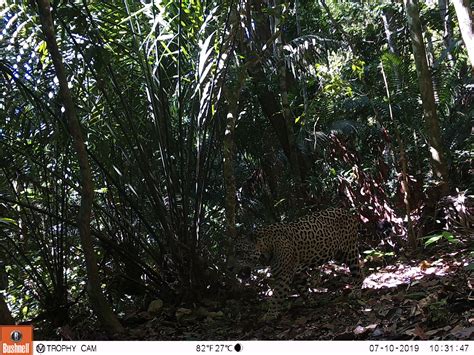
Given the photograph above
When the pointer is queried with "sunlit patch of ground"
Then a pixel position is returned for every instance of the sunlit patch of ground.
(400, 274)
(392, 276)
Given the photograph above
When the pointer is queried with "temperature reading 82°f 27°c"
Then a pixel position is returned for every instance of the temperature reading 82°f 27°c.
(218, 348)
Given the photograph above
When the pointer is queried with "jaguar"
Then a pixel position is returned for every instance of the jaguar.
(293, 249)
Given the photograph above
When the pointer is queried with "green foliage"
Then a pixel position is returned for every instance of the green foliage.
(435, 238)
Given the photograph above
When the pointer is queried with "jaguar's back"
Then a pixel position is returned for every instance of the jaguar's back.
(314, 238)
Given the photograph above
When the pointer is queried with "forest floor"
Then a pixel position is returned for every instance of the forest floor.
(428, 297)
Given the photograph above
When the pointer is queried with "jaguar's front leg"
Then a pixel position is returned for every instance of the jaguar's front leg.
(282, 274)
(280, 293)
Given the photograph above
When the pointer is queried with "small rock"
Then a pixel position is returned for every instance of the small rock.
(359, 330)
(181, 312)
(155, 306)
(378, 332)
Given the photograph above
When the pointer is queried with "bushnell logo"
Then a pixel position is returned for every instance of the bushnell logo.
(16, 336)
(16, 340)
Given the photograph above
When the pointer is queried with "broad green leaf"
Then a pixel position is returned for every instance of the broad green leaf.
(430, 239)
(433, 239)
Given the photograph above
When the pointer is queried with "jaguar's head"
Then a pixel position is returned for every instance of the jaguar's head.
(263, 249)
(250, 252)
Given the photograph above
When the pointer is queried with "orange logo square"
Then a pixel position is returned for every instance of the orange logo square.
(16, 340)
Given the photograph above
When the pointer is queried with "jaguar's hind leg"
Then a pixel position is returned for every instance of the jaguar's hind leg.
(353, 261)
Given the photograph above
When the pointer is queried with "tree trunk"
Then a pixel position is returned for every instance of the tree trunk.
(386, 19)
(464, 14)
(447, 28)
(303, 74)
(98, 302)
(387, 15)
(433, 132)
(285, 109)
(229, 174)
(232, 94)
(412, 240)
(430, 54)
